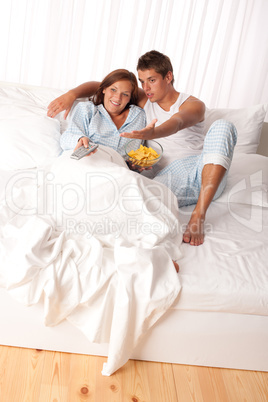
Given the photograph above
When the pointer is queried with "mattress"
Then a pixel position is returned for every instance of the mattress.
(220, 296)
(231, 274)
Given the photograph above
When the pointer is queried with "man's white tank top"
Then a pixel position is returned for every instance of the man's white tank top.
(186, 142)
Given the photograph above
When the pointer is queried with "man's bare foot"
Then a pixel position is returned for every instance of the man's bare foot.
(194, 233)
(176, 266)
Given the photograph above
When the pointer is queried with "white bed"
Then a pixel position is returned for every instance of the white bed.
(213, 313)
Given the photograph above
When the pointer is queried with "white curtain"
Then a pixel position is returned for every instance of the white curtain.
(219, 48)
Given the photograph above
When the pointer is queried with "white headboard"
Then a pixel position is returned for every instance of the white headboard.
(263, 146)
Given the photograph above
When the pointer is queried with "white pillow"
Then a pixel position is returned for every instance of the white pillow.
(29, 138)
(248, 122)
(247, 181)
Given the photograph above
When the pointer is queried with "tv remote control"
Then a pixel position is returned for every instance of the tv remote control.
(82, 151)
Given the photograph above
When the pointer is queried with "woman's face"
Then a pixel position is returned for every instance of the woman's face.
(117, 96)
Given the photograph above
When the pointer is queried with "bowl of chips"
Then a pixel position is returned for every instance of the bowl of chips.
(143, 156)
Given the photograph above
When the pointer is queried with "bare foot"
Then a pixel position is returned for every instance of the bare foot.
(194, 233)
(176, 266)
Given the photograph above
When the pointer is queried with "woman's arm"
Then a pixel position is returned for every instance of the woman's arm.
(65, 101)
(78, 126)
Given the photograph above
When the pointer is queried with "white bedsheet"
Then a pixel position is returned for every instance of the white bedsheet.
(232, 270)
(96, 241)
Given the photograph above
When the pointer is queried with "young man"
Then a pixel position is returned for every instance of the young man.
(194, 165)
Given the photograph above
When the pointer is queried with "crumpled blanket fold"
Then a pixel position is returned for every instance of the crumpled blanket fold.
(96, 242)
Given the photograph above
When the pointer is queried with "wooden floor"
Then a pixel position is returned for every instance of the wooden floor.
(28, 375)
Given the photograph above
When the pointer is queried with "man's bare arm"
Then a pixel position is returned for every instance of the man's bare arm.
(191, 112)
(65, 101)
(142, 98)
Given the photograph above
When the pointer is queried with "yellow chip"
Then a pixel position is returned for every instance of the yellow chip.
(143, 155)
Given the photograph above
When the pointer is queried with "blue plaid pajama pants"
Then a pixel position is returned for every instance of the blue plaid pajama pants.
(183, 176)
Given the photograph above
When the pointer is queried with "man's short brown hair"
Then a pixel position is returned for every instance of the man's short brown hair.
(156, 60)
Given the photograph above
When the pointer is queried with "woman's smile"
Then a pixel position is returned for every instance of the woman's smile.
(117, 96)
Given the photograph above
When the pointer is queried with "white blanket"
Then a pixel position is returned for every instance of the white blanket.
(96, 242)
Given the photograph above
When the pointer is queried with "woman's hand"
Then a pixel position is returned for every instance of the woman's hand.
(137, 168)
(63, 102)
(84, 141)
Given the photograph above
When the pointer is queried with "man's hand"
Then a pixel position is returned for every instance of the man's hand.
(146, 133)
(63, 102)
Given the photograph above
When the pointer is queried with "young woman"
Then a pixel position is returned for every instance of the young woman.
(112, 110)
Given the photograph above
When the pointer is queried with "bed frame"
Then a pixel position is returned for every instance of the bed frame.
(196, 339)
(239, 341)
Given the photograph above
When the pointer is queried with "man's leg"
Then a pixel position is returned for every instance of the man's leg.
(212, 176)
(216, 159)
(200, 179)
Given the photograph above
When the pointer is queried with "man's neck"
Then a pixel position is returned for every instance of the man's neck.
(169, 99)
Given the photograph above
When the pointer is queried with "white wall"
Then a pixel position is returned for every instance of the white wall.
(218, 47)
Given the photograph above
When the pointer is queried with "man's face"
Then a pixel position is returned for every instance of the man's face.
(153, 84)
